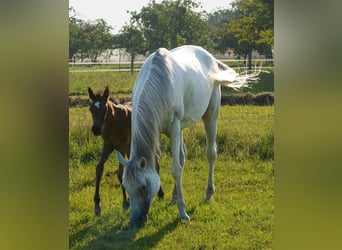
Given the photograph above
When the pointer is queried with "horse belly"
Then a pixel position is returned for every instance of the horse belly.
(196, 101)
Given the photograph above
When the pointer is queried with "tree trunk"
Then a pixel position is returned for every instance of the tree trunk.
(250, 59)
(132, 62)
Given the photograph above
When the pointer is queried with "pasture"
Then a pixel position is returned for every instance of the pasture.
(241, 214)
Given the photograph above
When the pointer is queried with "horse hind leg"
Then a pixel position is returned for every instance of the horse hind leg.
(210, 123)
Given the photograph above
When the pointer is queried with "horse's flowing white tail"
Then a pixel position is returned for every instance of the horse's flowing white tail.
(232, 79)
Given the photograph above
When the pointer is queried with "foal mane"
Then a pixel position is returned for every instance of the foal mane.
(150, 100)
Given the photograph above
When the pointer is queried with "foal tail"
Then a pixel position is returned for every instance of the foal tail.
(230, 78)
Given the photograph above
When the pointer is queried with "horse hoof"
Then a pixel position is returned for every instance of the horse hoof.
(125, 205)
(209, 193)
(184, 216)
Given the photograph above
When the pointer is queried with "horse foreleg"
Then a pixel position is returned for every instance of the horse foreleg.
(99, 170)
(177, 168)
(182, 155)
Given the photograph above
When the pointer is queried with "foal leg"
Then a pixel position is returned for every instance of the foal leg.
(125, 202)
(177, 168)
(125, 151)
(160, 192)
(106, 151)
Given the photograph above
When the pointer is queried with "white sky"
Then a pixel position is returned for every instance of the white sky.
(115, 12)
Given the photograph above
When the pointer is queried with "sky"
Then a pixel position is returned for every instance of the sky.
(115, 12)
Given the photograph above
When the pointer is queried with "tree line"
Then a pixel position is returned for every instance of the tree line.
(245, 27)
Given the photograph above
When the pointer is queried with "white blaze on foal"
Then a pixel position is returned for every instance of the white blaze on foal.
(97, 104)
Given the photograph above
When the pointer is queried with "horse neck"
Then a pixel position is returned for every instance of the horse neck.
(145, 143)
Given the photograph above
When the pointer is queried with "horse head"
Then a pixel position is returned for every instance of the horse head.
(98, 109)
(142, 183)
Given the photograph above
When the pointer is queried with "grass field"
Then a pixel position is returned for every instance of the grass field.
(240, 216)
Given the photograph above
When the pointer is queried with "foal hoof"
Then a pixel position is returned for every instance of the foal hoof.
(97, 211)
(125, 205)
(161, 194)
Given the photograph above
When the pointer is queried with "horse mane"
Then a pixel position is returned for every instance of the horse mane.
(149, 104)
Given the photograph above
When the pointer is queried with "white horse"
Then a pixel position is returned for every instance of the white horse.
(173, 90)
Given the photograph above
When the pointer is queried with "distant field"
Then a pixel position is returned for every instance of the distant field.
(121, 83)
(240, 216)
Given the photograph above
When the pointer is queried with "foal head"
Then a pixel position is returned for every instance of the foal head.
(98, 109)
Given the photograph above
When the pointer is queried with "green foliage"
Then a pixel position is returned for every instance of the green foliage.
(89, 39)
(171, 24)
(220, 38)
(251, 26)
(246, 27)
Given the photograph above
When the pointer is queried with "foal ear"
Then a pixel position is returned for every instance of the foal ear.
(91, 93)
(106, 93)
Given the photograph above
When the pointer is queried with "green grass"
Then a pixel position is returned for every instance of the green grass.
(120, 83)
(240, 216)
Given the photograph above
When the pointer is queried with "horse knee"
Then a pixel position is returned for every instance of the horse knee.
(182, 155)
(211, 154)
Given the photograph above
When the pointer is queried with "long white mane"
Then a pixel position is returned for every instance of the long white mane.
(149, 101)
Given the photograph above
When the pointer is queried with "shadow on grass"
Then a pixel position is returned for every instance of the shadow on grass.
(120, 237)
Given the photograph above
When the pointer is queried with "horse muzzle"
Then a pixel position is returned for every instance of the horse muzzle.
(139, 217)
(96, 130)
(138, 220)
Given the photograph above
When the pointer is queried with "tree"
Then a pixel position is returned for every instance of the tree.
(96, 38)
(131, 38)
(220, 37)
(252, 26)
(170, 24)
(88, 39)
(74, 33)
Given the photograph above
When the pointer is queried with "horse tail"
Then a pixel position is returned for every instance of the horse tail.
(230, 78)
(222, 73)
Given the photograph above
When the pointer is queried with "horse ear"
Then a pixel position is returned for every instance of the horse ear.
(142, 163)
(106, 92)
(91, 93)
(121, 159)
